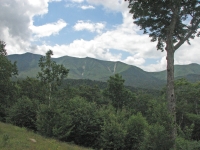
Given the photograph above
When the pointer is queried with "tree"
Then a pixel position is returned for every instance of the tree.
(117, 92)
(53, 122)
(32, 88)
(136, 127)
(171, 23)
(113, 129)
(188, 107)
(86, 122)
(7, 70)
(23, 113)
(51, 73)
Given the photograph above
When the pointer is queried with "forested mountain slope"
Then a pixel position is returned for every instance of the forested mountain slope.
(94, 69)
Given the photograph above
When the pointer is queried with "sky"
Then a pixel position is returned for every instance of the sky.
(101, 29)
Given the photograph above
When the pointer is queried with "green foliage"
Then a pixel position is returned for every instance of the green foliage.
(158, 132)
(7, 70)
(183, 144)
(136, 128)
(140, 104)
(157, 112)
(156, 137)
(117, 93)
(188, 106)
(86, 122)
(46, 120)
(52, 122)
(113, 129)
(50, 71)
(92, 94)
(23, 113)
(51, 74)
(32, 88)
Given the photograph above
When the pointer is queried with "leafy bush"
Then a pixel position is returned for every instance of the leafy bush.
(53, 123)
(113, 128)
(136, 127)
(156, 138)
(183, 144)
(23, 113)
(86, 121)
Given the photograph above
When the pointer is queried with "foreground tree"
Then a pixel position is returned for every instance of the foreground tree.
(7, 70)
(117, 93)
(51, 73)
(171, 23)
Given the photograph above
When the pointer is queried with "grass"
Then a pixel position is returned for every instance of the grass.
(15, 138)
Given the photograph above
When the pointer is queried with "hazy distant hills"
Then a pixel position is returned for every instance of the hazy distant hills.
(94, 69)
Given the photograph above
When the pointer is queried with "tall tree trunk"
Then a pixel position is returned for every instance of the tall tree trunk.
(170, 92)
(170, 74)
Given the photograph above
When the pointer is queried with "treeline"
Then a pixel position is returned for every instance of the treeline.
(112, 118)
(102, 85)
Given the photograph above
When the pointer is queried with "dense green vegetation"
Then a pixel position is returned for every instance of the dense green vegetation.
(112, 117)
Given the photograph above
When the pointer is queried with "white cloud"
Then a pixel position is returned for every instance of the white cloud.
(134, 60)
(158, 66)
(92, 27)
(84, 7)
(77, 1)
(48, 29)
(114, 5)
(16, 16)
(55, 0)
(188, 53)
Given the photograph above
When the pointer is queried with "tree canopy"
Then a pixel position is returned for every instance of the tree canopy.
(157, 17)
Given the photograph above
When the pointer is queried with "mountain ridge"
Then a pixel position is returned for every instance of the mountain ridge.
(94, 69)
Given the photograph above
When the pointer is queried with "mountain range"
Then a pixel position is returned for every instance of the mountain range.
(99, 70)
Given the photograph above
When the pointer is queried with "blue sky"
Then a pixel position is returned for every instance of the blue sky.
(102, 29)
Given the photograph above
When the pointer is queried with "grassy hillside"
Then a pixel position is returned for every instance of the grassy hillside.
(15, 138)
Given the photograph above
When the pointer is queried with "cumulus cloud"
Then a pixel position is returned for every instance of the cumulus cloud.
(158, 66)
(84, 7)
(16, 17)
(134, 60)
(92, 27)
(48, 29)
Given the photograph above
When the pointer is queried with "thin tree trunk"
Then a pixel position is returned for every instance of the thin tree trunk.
(49, 93)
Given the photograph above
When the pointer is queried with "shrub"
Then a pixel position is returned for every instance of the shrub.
(23, 113)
